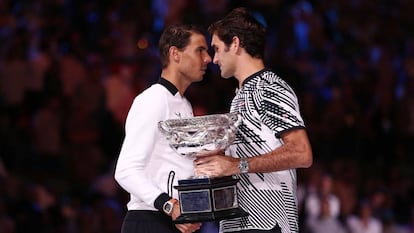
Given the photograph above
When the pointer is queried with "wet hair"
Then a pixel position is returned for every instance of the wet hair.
(241, 23)
(177, 35)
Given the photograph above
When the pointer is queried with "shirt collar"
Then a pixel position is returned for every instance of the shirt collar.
(167, 84)
(254, 75)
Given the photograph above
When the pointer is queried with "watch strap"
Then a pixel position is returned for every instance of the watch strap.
(160, 200)
(170, 204)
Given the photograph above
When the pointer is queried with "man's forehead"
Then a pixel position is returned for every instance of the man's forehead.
(214, 40)
(196, 44)
(197, 38)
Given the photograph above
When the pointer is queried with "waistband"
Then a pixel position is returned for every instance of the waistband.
(147, 215)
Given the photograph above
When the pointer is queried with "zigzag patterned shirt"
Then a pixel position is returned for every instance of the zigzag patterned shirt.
(268, 107)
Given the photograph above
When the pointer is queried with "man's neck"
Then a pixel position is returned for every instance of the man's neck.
(247, 67)
(175, 79)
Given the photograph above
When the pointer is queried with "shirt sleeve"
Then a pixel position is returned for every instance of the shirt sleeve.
(279, 108)
(141, 129)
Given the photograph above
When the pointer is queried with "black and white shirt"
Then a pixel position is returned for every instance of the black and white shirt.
(268, 107)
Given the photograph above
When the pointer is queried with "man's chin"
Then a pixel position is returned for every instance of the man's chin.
(199, 79)
(226, 76)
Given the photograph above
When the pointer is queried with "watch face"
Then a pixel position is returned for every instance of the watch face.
(168, 207)
(244, 166)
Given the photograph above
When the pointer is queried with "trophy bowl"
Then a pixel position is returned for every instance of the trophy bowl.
(204, 199)
(192, 137)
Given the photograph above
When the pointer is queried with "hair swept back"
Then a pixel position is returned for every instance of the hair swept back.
(177, 35)
(241, 23)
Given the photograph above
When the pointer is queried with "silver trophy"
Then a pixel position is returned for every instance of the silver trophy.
(203, 198)
(191, 137)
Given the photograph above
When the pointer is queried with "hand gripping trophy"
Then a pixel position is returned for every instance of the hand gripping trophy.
(204, 198)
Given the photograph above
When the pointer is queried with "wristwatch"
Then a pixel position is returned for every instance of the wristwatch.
(169, 206)
(244, 165)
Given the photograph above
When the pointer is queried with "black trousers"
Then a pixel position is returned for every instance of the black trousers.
(146, 221)
(276, 229)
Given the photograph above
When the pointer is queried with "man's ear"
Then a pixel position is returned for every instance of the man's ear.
(174, 54)
(236, 42)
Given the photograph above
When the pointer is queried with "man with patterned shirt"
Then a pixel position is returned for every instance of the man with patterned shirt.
(271, 141)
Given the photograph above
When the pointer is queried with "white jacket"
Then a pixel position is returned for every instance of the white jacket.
(146, 159)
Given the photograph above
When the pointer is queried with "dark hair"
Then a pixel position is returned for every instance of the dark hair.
(177, 35)
(241, 23)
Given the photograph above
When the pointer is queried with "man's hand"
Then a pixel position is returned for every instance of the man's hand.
(184, 227)
(216, 166)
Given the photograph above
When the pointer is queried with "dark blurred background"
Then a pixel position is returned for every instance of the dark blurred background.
(69, 70)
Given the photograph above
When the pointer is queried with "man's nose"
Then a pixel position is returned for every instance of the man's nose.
(207, 59)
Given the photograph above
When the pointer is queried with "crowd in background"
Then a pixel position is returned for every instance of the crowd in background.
(69, 71)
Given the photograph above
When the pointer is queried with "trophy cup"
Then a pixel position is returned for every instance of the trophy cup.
(202, 198)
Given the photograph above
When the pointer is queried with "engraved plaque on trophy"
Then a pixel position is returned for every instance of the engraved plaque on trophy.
(204, 198)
